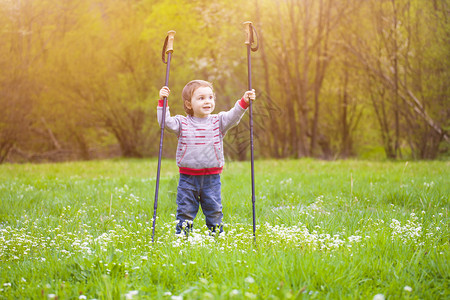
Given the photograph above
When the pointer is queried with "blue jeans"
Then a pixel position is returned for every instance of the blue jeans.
(195, 190)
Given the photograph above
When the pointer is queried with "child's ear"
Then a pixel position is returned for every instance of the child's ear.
(188, 104)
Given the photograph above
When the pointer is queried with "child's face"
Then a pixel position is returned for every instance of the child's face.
(202, 102)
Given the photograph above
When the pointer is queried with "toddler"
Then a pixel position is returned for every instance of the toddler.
(200, 151)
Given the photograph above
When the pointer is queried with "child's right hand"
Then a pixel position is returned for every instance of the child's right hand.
(164, 92)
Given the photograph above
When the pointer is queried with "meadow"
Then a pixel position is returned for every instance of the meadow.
(325, 230)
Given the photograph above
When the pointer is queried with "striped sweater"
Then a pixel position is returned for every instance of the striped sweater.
(200, 140)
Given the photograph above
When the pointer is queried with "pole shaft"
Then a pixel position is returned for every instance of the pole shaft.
(249, 65)
(161, 139)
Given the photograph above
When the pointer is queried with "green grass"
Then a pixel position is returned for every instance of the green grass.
(325, 230)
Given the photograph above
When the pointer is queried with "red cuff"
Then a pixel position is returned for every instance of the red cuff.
(161, 103)
(242, 103)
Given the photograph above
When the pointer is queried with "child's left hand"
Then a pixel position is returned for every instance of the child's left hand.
(249, 95)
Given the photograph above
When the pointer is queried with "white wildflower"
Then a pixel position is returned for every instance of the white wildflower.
(249, 280)
(131, 294)
(378, 297)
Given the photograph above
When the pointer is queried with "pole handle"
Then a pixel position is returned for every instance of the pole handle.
(168, 45)
(248, 32)
(170, 38)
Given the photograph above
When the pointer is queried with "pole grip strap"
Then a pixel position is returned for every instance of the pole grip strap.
(250, 37)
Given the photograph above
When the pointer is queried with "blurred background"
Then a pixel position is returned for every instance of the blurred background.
(79, 79)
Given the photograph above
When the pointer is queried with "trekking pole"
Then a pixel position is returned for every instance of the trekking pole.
(249, 41)
(167, 49)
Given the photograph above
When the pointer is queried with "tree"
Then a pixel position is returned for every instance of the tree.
(19, 63)
(302, 38)
(394, 61)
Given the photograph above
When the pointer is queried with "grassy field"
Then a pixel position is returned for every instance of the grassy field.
(325, 230)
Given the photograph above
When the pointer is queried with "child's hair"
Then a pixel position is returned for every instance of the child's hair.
(189, 90)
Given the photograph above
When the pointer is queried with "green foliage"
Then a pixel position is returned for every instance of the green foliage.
(343, 229)
(79, 80)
